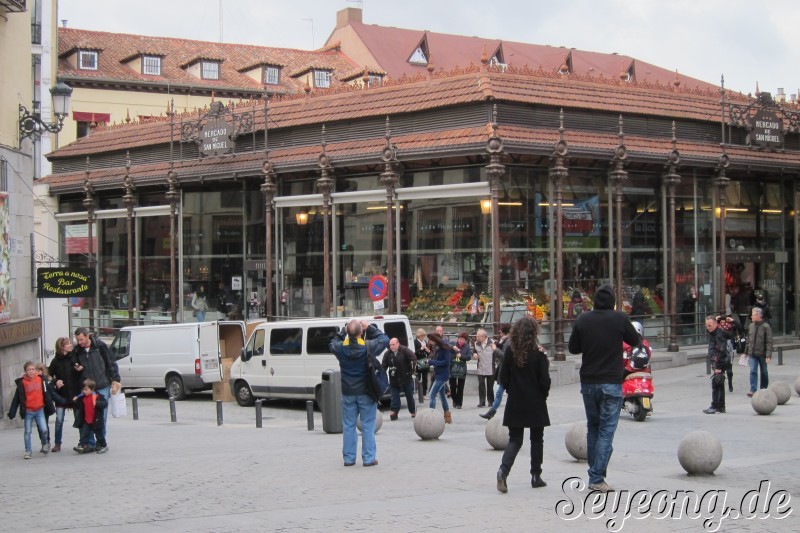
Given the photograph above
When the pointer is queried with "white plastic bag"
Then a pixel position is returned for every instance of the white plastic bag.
(119, 407)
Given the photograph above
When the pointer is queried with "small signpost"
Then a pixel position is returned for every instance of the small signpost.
(377, 291)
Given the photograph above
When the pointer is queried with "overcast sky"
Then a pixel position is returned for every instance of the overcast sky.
(747, 41)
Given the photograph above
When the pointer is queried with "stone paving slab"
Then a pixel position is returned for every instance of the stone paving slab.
(194, 476)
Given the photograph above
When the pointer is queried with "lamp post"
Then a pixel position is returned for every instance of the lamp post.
(671, 179)
(269, 188)
(389, 179)
(722, 181)
(617, 176)
(89, 203)
(557, 174)
(495, 170)
(325, 184)
(128, 199)
(31, 123)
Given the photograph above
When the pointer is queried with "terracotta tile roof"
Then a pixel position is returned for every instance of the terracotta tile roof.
(117, 49)
(525, 86)
(473, 140)
(392, 47)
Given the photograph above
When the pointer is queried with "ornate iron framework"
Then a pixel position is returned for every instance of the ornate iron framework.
(742, 116)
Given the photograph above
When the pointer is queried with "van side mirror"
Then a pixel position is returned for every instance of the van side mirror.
(244, 355)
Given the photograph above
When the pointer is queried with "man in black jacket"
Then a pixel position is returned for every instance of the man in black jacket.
(400, 363)
(718, 359)
(598, 335)
(92, 360)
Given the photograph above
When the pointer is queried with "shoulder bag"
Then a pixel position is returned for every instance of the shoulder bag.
(377, 379)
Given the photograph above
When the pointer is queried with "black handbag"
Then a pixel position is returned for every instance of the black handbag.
(377, 379)
(458, 369)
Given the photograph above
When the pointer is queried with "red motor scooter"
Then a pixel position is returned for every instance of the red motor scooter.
(637, 387)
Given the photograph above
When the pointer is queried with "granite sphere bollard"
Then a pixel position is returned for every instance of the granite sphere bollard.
(429, 424)
(378, 421)
(764, 401)
(797, 386)
(782, 391)
(575, 441)
(700, 453)
(496, 433)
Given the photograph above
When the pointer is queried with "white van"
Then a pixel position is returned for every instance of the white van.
(286, 359)
(178, 358)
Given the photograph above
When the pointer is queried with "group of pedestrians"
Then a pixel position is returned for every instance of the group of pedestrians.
(78, 378)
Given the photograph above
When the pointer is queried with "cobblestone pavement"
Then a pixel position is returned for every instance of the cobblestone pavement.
(195, 476)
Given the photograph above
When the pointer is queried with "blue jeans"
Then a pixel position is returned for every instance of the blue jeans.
(30, 416)
(438, 388)
(408, 390)
(755, 363)
(106, 392)
(60, 411)
(498, 398)
(602, 403)
(353, 406)
(201, 316)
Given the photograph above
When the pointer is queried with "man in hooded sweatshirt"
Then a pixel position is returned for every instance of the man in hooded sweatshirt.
(598, 335)
(352, 351)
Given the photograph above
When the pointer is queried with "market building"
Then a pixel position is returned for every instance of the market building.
(467, 188)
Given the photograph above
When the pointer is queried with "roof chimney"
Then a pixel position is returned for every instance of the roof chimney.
(347, 15)
(64, 23)
(780, 96)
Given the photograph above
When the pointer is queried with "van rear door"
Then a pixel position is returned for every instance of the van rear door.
(210, 364)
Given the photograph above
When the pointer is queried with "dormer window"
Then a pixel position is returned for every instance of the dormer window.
(151, 65)
(272, 75)
(375, 79)
(322, 79)
(87, 60)
(419, 57)
(209, 70)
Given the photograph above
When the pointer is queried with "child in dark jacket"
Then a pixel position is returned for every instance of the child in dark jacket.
(89, 411)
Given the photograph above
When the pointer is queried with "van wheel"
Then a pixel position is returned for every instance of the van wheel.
(175, 388)
(244, 396)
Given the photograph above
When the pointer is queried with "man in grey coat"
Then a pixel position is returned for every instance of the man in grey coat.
(759, 348)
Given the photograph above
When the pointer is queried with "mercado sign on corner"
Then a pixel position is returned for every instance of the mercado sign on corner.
(64, 282)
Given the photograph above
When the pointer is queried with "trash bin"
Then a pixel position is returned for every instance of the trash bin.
(331, 397)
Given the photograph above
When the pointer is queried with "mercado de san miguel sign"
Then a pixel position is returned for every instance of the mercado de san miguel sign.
(766, 129)
(64, 282)
(215, 133)
(215, 137)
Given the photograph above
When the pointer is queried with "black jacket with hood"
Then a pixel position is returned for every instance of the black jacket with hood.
(97, 364)
(598, 335)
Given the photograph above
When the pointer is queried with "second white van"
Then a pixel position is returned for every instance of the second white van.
(286, 359)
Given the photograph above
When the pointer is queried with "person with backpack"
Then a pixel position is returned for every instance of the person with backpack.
(759, 348)
(718, 348)
(353, 352)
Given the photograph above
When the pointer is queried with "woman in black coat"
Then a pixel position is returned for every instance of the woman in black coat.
(525, 376)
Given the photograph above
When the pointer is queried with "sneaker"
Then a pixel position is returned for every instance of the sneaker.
(78, 449)
(56, 448)
(710, 411)
(45, 449)
(101, 449)
(373, 463)
(348, 463)
(501, 482)
(721, 411)
(601, 487)
(27, 455)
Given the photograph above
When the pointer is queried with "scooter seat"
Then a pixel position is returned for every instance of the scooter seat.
(639, 375)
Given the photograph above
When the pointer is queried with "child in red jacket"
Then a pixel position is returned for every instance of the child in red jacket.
(89, 409)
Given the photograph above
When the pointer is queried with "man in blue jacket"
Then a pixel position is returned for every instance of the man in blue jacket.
(352, 350)
(598, 335)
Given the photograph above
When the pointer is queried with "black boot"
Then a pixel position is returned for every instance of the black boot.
(537, 481)
(501, 481)
(488, 414)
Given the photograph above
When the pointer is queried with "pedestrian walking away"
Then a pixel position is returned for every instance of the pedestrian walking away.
(442, 354)
(759, 347)
(352, 351)
(598, 336)
(525, 375)
(400, 363)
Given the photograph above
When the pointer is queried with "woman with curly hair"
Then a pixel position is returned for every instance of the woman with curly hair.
(525, 376)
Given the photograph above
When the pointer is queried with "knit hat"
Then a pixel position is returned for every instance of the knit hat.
(604, 298)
